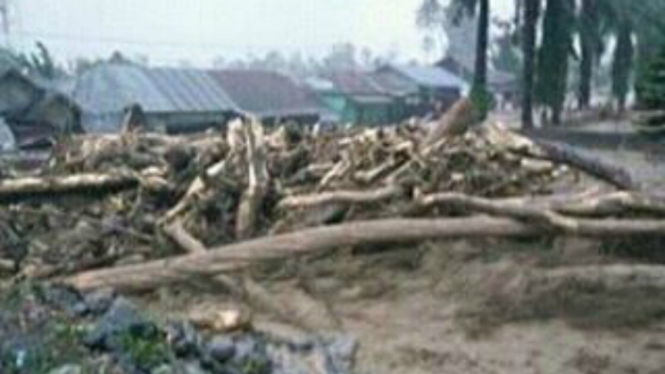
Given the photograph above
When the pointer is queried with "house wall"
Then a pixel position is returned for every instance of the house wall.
(62, 116)
(350, 111)
(16, 94)
(371, 114)
(172, 122)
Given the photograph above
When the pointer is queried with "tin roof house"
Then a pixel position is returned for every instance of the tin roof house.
(173, 100)
(270, 96)
(354, 96)
(179, 100)
(34, 114)
(422, 87)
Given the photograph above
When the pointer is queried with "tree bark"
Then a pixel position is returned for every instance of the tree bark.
(343, 197)
(26, 187)
(561, 153)
(588, 34)
(147, 276)
(622, 64)
(531, 14)
(479, 89)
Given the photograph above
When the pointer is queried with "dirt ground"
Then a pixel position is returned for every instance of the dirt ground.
(458, 307)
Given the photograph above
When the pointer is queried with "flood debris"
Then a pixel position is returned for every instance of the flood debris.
(136, 211)
(228, 199)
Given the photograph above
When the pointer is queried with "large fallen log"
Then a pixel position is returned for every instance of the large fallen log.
(53, 185)
(236, 256)
(585, 204)
(567, 155)
(520, 144)
(609, 276)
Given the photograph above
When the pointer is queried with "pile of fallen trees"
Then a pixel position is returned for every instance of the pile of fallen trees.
(138, 210)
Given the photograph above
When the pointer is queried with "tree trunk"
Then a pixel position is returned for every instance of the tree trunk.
(531, 14)
(234, 257)
(587, 39)
(553, 56)
(479, 90)
(622, 64)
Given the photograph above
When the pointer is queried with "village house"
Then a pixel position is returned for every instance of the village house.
(421, 89)
(34, 114)
(269, 96)
(355, 97)
(178, 100)
(173, 100)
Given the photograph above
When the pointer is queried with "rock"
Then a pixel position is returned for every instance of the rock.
(67, 369)
(193, 368)
(122, 317)
(343, 347)
(165, 369)
(98, 302)
(251, 351)
(184, 339)
(221, 348)
(341, 353)
(64, 298)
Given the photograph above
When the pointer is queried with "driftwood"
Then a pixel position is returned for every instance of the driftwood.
(567, 155)
(344, 197)
(498, 135)
(53, 185)
(609, 276)
(177, 232)
(454, 122)
(252, 199)
(585, 204)
(233, 257)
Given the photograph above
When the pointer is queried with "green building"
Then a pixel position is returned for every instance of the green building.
(389, 94)
(355, 98)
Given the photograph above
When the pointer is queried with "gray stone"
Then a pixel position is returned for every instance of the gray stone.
(165, 369)
(193, 368)
(98, 302)
(67, 369)
(221, 348)
(184, 339)
(122, 317)
(64, 298)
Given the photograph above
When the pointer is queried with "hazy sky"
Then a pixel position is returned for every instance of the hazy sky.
(171, 31)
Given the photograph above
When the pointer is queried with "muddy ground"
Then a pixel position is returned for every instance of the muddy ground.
(460, 307)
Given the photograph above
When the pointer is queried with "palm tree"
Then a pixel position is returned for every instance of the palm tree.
(591, 45)
(638, 28)
(557, 45)
(531, 13)
(479, 92)
(429, 15)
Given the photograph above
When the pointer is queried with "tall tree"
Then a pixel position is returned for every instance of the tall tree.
(479, 92)
(531, 9)
(622, 64)
(590, 42)
(553, 56)
(432, 13)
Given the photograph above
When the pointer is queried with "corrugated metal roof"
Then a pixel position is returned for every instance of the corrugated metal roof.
(109, 88)
(265, 93)
(430, 76)
(359, 86)
(394, 84)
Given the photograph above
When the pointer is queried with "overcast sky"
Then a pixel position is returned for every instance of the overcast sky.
(171, 31)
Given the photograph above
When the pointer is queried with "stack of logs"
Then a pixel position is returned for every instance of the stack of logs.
(136, 211)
